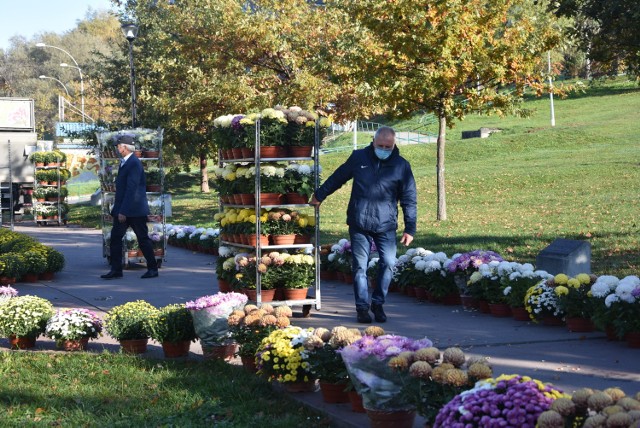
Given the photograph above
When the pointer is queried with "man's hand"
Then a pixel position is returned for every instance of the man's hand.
(122, 218)
(406, 239)
(314, 201)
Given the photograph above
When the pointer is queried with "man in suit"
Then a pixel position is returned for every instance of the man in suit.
(130, 209)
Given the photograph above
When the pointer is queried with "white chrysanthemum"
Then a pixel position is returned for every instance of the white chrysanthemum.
(419, 264)
(610, 299)
(331, 257)
(432, 266)
(600, 289)
(304, 169)
(624, 289)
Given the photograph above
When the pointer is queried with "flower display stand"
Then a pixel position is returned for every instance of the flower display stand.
(333, 392)
(391, 418)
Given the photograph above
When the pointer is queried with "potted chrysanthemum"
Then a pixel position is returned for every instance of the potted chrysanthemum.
(23, 319)
(574, 298)
(282, 358)
(441, 376)
(384, 389)
(172, 326)
(129, 324)
(326, 363)
(508, 400)
(249, 325)
(72, 328)
(210, 314)
(541, 302)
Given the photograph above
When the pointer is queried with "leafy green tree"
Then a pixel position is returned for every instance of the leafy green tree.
(607, 30)
(449, 57)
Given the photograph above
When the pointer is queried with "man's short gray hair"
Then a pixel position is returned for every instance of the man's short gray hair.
(130, 147)
(385, 131)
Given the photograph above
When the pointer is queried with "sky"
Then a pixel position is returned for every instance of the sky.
(30, 17)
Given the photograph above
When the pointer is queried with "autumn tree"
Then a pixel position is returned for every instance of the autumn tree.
(200, 59)
(449, 57)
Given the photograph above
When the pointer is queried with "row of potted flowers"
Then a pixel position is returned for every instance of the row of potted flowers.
(200, 239)
(278, 226)
(236, 183)
(278, 127)
(394, 377)
(22, 258)
(283, 275)
(483, 280)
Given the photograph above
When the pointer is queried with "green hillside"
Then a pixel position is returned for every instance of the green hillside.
(529, 184)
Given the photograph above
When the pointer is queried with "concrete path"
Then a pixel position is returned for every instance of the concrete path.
(550, 354)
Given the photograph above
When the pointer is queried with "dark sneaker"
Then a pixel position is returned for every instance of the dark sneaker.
(378, 313)
(363, 316)
(151, 273)
(111, 275)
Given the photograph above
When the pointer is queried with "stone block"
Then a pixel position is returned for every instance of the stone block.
(568, 256)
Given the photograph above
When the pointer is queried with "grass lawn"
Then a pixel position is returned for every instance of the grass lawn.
(116, 390)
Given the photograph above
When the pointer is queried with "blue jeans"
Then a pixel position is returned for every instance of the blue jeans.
(361, 249)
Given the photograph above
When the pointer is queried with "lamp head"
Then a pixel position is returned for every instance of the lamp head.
(40, 45)
(130, 31)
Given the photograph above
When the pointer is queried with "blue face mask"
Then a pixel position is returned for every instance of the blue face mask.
(382, 154)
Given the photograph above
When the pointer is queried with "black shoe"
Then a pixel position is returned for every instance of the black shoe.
(378, 313)
(111, 275)
(151, 273)
(363, 316)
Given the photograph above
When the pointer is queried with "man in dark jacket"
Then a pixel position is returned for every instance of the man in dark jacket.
(381, 179)
(130, 209)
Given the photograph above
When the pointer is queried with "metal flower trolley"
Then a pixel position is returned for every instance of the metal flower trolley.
(255, 158)
(148, 143)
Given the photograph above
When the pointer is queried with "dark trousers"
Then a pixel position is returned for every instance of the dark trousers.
(139, 227)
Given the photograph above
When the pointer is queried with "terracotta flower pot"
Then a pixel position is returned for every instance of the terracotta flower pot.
(295, 293)
(391, 418)
(176, 349)
(219, 352)
(356, 401)
(22, 342)
(500, 310)
(520, 314)
(579, 324)
(333, 392)
(134, 346)
(299, 151)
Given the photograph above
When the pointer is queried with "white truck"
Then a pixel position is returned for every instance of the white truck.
(17, 140)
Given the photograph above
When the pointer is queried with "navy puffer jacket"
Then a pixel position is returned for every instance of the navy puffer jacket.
(378, 187)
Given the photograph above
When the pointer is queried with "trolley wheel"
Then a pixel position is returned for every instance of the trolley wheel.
(159, 263)
(306, 311)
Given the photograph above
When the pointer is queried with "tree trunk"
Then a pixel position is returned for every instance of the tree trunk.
(204, 177)
(442, 201)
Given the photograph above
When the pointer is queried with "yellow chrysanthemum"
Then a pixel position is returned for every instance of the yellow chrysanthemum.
(560, 279)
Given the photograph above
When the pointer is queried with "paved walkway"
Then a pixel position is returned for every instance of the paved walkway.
(550, 354)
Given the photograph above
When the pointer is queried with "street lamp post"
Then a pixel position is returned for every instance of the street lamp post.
(130, 32)
(60, 97)
(77, 67)
(42, 76)
(64, 64)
